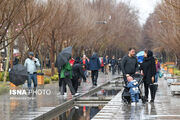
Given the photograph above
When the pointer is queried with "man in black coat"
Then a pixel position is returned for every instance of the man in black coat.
(113, 65)
(129, 64)
(148, 69)
(119, 65)
(77, 73)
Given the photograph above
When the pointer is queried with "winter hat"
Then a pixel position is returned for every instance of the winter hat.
(31, 54)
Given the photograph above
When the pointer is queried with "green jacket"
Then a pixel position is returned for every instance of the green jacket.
(66, 68)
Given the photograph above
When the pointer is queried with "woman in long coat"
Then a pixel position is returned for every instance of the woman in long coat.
(148, 68)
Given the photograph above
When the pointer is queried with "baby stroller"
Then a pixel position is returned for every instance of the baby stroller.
(126, 97)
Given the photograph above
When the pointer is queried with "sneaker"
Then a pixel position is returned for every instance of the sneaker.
(133, 104)
(65, 93)
(75, 95)
(76, 107)
(34, 88)
(65, 96)
(152, 101)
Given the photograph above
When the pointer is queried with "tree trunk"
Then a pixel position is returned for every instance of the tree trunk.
(11, 53)
(7, 64)
(52, 53)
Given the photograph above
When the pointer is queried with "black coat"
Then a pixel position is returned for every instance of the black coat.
(16, 61)
(113, 62)
(149, 69)
(119, 63)
(78, 71)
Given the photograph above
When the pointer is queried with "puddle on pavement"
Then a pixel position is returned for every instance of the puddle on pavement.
(105, 93)
(88, 112)
(82, 113)
(108, 90)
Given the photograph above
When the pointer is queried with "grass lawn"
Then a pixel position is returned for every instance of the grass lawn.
(4, 88)
(177, 71)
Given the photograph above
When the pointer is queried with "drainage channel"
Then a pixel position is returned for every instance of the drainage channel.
(86, 105)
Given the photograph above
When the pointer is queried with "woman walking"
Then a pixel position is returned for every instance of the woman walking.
(148, 68)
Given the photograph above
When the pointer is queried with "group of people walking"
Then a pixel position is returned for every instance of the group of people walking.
(110, 65)
(74, 70)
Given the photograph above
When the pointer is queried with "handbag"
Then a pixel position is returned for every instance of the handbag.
(67, 74)
(160, 74)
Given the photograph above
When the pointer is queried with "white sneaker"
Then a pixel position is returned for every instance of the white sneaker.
(65, 96)
(76, 107)
(65, 93)
(133, 104)
(77, 94)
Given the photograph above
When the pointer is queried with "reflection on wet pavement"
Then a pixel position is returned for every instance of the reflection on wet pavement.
(24, 107)
(166, 107)
(82, 113)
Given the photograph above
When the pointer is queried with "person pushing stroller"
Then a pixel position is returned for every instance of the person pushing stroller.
(134, 90)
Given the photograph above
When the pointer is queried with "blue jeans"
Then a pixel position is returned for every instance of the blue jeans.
(156, 77)
(134, 97)
(85, 73)
(34, 78)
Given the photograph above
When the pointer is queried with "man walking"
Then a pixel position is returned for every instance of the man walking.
(119, 65)
(94, 66)
(31, 64)
(113, 65)
(78, 72)
(129, 64)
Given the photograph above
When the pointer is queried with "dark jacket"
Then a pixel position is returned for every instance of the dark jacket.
(119, 63)
(113, 62)
(149, 68)
(78, 71)
(94, 63)
(129, 65)
(105, 61)
(16, 61)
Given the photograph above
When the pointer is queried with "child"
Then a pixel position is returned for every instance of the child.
(134, 90)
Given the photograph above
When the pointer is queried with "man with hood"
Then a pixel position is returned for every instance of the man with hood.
(77, 73)
(94, 66)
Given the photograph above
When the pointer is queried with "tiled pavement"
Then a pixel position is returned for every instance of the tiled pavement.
(166, 107)
(24, 107)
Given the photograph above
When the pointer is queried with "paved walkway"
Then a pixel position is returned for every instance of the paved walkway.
(26, 108)
(166, 107)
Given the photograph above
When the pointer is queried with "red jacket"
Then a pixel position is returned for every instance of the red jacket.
(71, 61)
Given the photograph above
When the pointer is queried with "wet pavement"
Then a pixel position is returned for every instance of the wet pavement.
(82, 113)
(15, 107)
(166, 107)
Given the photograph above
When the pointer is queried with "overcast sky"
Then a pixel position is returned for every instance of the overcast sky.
(145, 7)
